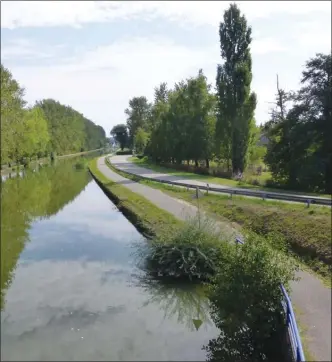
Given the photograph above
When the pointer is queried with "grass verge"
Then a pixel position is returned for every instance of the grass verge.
(145, 216)
(307, 231)
(144, 162)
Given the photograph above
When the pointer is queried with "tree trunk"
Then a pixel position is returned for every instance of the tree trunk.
(196, 163)
(207, 163)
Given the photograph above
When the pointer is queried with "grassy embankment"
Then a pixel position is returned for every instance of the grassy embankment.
(260, 180)
(148, 218)
(307, 231)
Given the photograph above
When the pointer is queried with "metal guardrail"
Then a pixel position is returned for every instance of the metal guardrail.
(293, 332)
(236, 191)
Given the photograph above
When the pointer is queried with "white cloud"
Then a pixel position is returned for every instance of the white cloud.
(25, 49)
(108, 76)
(59, 13)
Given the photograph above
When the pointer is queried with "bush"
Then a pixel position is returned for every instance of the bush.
(124, 152)
(246, 301)
(192, 252)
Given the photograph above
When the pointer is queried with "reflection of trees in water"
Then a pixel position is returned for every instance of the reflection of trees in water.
(33, 196)
(239, 344)
(187, 302)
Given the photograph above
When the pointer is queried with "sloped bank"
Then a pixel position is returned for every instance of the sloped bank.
(259, 325)
(144, 215)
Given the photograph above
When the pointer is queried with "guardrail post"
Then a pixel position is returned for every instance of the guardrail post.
(207, 191)
(308, 202)
(231, 195)
(264, 197)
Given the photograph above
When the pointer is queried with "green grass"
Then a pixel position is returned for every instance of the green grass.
(148, 218)
(307, 231)
(144, 162)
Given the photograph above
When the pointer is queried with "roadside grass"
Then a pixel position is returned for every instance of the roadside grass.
(303, 335)
(307, 231)
(149, 219)
(265, 176)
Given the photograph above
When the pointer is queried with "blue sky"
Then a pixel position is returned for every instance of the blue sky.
(95, 56)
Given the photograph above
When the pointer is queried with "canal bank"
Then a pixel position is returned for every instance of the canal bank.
(70, 286)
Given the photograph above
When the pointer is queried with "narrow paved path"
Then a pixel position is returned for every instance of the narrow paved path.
(310, 297)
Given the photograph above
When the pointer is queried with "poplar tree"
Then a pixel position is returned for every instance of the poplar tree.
(236, 102)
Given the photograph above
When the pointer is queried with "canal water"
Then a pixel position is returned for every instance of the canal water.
(70, 288)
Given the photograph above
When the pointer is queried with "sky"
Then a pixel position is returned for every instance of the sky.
(96, 55)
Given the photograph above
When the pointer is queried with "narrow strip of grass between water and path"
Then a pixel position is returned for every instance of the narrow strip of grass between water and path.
(307, 231)
(149, 219)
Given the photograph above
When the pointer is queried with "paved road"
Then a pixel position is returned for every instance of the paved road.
(310, 297)
(122, 163)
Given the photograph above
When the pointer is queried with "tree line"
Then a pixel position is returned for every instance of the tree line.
(47, 127)
(195, 123)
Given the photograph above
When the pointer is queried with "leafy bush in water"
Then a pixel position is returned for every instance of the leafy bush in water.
(246, 301)
(192, 252)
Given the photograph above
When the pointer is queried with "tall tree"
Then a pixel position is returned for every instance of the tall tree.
(202, 119)
(140, 140)
(236, 103)
(36, 137)
(120, 134)
(138, 115)
(12, 104)
(300, 152)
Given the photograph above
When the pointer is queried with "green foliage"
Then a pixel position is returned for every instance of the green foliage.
(47, 126)
(35, 136)
(140, 140)
(120, 134)
(192, 252)
(299, 152)
(124, 152)
(12, 104)
(138, 114)
(236, 103)
(246, 301)
(182, 122)
(70, 131)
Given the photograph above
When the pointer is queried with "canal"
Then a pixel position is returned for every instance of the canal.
(70, 287)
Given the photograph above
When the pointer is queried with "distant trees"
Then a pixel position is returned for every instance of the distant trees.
(299, 152)
(120, 134)
(46, 127)
(138, 114)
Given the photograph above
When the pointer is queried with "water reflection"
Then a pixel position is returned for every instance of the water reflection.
(187, 302)
(30, 196)
(73, 296)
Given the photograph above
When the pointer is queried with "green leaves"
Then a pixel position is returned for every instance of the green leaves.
(299, 153)
(246, 300)
(236, 104)
(47, 126)
(120, 133)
